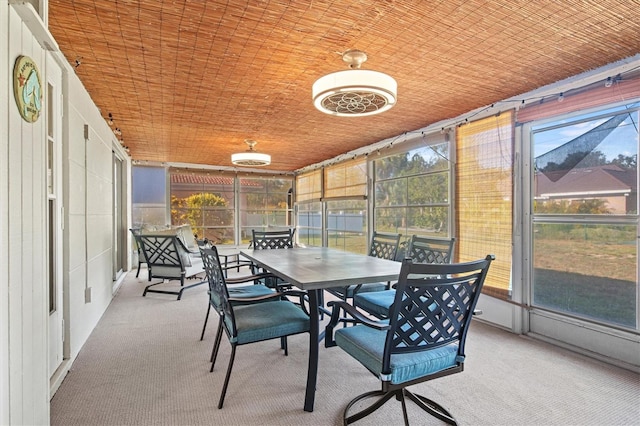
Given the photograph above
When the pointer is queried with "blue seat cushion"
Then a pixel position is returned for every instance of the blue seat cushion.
(245, 291)
(364, 288)
(242, 292)
(269, 320)
(367, 346)
(376, 303)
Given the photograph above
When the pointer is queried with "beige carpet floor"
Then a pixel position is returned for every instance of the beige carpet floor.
(144, 365)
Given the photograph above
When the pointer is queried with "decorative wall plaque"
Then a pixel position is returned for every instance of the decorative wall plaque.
(27, 88)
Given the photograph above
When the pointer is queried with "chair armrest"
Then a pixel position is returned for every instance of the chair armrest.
(301, 295)
(249, 300)
(185, 248)
(336, 306)
(276, 296)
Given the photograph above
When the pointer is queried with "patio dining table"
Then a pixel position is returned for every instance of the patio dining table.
(313, 269)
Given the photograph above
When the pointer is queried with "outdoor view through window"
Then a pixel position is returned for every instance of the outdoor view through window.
(585, 209)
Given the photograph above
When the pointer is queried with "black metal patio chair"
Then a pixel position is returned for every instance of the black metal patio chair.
(257, 319)
(273, 240)
(168, 259)
(424, 338)
(236, 292)
(383, 246)
(419, 250)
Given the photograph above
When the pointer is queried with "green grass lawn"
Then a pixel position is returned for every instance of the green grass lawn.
(591, 279)
(604, 299)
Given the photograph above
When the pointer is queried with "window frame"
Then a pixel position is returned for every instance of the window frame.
(421, 141)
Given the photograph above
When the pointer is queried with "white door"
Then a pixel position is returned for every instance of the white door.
(53, 98)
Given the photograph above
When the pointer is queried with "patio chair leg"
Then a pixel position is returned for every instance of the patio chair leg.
(138, 271)
(431, 407)
(404, 408)
(226, 379)
(206, 318)
(216, 346)
(383, 398)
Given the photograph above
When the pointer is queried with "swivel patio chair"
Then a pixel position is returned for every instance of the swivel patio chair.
(383, 246)
(419, 250)
(260, 318)
(424, 338)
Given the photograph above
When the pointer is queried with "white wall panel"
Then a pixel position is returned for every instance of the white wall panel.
(75, 141)
(74, 229)
(77, 311)
(27, 290)
(103, 286)
(88, 195)
(99, 242)
(4, 212)
(99, 199)
(497, 312)
(76, 204)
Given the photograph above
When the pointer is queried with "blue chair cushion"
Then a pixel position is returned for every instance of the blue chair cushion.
(253, 290)
(376, 303)
(364, 288)
(269, 320)
(241, 292)
(367, 346)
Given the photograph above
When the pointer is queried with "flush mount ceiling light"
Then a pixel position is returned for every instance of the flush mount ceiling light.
(354, 92)
(250, 157)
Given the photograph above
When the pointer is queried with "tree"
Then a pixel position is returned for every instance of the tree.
(411, 188)
(590, 206)
(194, 210)
(626, 162)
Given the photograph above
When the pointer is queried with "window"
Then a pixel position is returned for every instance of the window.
(345, 190)
(309, 208)
(412, 190)
(149, 196)
(206, 201)
(585, 216)
(265, 202)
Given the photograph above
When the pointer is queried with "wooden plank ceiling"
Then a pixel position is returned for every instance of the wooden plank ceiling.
(189, 80)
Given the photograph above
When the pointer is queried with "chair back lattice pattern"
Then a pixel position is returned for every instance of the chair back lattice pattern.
(433, 306)
(384, 246)
(218, 292)
(430, 250)
(161, 250)
(264, 240)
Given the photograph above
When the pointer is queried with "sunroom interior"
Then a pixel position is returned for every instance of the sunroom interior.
(515, 131)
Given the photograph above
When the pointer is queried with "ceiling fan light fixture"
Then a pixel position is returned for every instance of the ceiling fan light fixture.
(250, 158)
(355, 92)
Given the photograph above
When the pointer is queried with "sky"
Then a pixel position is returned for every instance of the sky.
(623, 140)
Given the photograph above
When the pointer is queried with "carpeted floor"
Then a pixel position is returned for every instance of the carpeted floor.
(144, 365)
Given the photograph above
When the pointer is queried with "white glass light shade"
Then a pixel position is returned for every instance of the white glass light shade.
(354, 93)
(250, 158)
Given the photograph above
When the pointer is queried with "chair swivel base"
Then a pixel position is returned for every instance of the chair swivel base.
(148, 289)
(426, 404)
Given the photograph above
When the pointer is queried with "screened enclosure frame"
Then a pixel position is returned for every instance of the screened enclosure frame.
(589, 222)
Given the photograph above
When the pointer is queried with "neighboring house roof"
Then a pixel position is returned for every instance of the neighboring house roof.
(198, 179)
(598, 180)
